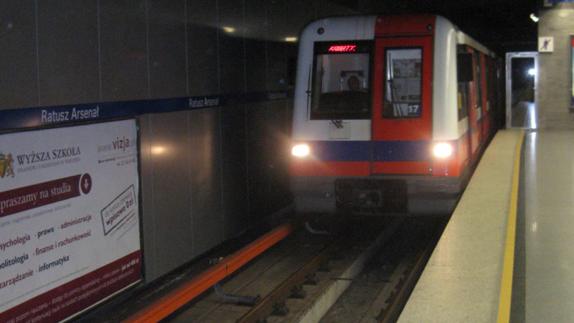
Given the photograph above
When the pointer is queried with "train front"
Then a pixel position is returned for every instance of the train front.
(363, 139)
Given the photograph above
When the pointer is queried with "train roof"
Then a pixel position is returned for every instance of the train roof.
(463, 38)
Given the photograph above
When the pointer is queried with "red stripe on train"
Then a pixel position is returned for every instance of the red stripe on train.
(312, 167)
(402, 167)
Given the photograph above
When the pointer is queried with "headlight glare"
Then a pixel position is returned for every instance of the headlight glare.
(301, 150)
(442, 150)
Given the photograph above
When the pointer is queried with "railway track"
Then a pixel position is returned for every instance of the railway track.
(364, 273)
(396, 261)
(322, 268)
(292, 287)
(407, 279)
(381, 291)
(320, 271)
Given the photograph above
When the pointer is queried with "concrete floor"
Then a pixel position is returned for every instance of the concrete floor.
(549, 227)
(524, 115)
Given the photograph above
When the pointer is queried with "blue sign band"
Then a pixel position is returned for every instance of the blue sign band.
(49, 115)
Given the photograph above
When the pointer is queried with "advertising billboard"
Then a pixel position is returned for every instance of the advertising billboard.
(69, 219)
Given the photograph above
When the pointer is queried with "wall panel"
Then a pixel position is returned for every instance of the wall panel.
(167, 41)
(18, 69)
(235, 196)
(205, 179)
(554, 78)
(231, 46)
(123, 56)
(202, 47)
(68, 56)
(166, 202)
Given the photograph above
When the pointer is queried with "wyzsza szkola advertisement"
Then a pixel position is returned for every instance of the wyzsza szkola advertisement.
(69, 219)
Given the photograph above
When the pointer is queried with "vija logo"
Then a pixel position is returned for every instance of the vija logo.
(122, 143)
(6, 165)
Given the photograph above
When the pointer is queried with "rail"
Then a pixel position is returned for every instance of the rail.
(170, 303)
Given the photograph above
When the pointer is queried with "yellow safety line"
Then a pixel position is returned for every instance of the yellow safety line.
(505, 299)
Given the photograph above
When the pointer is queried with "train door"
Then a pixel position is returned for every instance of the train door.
(485, 97)
(474, 112)
(402, 112)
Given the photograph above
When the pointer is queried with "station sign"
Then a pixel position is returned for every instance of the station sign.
(69, 219)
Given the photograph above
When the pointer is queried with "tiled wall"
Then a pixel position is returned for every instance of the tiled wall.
(57, 52)
(555, 69)
(222, 168)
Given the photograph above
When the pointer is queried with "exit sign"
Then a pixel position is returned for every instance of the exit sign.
(545, 44)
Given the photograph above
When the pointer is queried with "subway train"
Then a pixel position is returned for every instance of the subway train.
(391, 114)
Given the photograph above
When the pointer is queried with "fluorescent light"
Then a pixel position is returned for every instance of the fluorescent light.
(228, 29)
(291, 39)
(534, 17)
(531, 71)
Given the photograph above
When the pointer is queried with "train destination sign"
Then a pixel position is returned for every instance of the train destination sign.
(69, 219)
(343, 47)
(348, 48)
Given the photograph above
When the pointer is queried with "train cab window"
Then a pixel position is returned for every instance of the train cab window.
(402, 98)
(341, 81)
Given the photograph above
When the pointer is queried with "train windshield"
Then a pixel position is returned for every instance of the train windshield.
(403, 83)
(341, 81)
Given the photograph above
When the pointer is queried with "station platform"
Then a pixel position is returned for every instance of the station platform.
(544, 275)
(505, 255)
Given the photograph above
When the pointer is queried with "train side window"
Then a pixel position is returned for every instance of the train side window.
(478, 83)
(464, 67)
(403, 70)
(491, 82)
(341, 81)
(464, 75)
(462, 100)
(487, 79)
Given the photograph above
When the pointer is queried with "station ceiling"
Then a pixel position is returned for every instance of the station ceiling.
(503, 25)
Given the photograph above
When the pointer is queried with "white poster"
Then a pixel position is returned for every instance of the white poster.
(69, 219)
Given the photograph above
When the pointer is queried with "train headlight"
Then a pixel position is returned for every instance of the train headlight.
(301, 150)
(442, 150)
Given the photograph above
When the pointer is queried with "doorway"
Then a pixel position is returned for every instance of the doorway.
(401, 114)
(521, 85)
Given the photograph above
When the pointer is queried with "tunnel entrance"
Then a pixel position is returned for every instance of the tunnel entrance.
(521, 80)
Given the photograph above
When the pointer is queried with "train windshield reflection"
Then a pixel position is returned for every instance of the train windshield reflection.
(341, 87)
